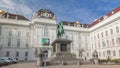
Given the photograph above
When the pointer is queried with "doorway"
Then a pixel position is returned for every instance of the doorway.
(45, 54)
(108, 54)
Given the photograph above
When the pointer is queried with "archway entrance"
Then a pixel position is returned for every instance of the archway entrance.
(108, 54)
(95, 55)
(45, 54)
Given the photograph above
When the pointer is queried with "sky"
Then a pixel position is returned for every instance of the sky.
(84, 11)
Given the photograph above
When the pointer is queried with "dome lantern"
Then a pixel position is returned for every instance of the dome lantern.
(44, 13)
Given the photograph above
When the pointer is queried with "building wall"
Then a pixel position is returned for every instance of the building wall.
(104, 37)
(15, 39)
(97, 37)
(42, 30)
(79, 37)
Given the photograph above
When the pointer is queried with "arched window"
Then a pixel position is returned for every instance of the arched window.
(45, 51)
(45, 54)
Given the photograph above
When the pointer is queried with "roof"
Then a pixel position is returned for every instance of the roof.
(103, 17)
(75, 24)
(44, 10)
(14, 16)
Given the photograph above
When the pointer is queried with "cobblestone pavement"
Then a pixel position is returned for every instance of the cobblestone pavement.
(33, 65)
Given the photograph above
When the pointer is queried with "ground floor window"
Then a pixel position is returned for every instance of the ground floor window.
(99, 54)
(7, 54)
(26, 54)
(17, 54)
(17, 59)
(87, 54)
(119, 52)
(26, 58)
(103, 54)
(114, 53)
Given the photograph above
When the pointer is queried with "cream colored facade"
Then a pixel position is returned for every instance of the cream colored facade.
(24, 36)
(106, 36)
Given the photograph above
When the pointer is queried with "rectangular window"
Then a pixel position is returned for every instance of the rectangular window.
(19, 33)
(27, 34)
(118, 40)
(95, 45)
(7, 54)
(117, 29)
(106, 33)
(9, 42)
(99, 44)
(18, 43)
(26, 54)
(92, 46)
(114, 53)
(113, 42)
(98, 36)
(107, 42)
(111, 30)
(87, 54)
(17, 59)
(10, 33)
(26, 43)
(103, 43)
(103, 54)
(0, 30)
(94, 37)
(99, 54)
(26, 58)
(119, 52)
(46, 31)
(102, 34)
(17, 54)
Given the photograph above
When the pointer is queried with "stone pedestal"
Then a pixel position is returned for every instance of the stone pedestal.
(62, 54)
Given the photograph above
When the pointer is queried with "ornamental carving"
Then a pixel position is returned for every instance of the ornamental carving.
(44, 13)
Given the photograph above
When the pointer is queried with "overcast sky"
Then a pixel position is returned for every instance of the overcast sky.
(85, 11)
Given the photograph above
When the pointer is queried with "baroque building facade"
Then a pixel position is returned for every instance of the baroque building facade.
(20, 37)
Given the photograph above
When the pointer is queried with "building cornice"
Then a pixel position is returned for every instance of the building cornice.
(109, 20)
(1, 23)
